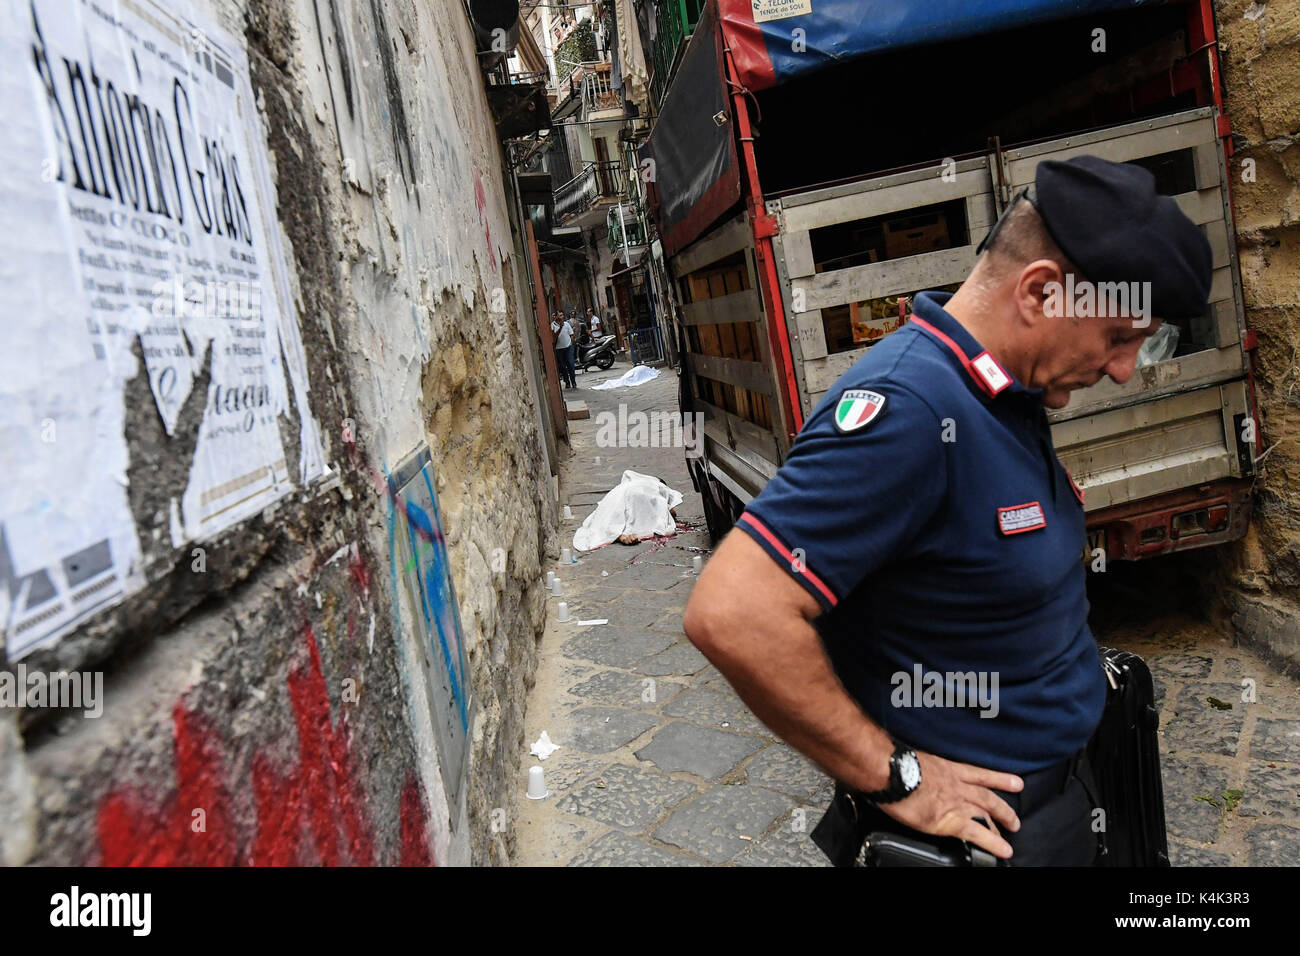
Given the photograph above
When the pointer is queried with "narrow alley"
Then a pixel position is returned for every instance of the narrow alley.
(659, 762)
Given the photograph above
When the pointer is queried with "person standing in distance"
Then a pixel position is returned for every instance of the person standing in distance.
(564, 349)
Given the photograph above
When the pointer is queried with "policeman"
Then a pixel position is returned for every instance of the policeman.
(904, 601)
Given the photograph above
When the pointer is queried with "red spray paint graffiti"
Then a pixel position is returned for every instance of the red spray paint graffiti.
(313, 814)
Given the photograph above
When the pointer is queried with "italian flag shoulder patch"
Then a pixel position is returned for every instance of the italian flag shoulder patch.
(858, 408)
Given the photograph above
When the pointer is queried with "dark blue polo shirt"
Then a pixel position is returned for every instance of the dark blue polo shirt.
(925, 509)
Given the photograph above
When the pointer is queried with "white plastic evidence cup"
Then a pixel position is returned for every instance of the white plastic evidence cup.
(537, 783)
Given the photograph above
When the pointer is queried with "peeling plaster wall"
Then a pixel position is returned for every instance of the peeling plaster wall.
(279, 691)
(1260, 56)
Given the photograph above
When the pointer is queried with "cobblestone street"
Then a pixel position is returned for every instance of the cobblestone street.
(660, 763)
(1231, 768)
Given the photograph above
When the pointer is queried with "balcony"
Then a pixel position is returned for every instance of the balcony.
(675, 23)
(519, 104)
(583, 200)
(631, 226)
(586, 92)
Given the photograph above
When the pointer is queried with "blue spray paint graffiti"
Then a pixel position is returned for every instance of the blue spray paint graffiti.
(419, 566)
(439, 608)
(429, 574)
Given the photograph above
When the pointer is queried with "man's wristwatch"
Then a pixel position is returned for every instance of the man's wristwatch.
(904, 776)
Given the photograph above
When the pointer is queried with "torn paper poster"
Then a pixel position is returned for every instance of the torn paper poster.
(542, 747)
(639, 505)
(174, 251)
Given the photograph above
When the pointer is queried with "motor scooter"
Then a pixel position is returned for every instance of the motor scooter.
(599, 351)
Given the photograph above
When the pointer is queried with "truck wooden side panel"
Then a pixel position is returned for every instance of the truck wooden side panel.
(1173, 425)
(743, 445)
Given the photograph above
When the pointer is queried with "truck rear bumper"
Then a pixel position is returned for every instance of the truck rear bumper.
(1178, 521)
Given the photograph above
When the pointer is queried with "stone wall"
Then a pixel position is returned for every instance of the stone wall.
(268, 692)
(1260, 56)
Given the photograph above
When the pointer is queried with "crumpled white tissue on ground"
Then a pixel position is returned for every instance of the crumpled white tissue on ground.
(543, 748)
(639, 504)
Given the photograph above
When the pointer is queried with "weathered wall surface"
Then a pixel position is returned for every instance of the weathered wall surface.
(564, 277)
(1260, 54)
(267, 700)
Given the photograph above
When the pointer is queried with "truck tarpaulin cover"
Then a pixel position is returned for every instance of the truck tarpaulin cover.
(767, 51)
(696, 176)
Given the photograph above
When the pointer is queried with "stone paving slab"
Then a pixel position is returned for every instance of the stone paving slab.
(626, 614)
(711, 675)
(626, 797)
(610, 559)
(558, 839)
(616, 646)
(703, 751)
(671, 601)
(650, 577)
(781, 767)
(619, 849)
(1274, 845)
(1180, 855)
(1189, 785)
(1199, 724)
(681, 659)
(627, 690)
(1276, 740)
(1273, 791)
(598, 594)
(1180, 667)
(724, 821)
(789, 844)
(671, 623)
(599, 730)
(715, 707)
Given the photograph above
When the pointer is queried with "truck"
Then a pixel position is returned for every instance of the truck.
(815, 164)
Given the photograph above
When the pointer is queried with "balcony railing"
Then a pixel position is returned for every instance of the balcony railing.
(676, 20)
(528, 78)
(588, 84)
(631, 227)
(596, 92)
(596, 182)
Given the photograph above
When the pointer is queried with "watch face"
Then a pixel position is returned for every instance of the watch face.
(909, 768)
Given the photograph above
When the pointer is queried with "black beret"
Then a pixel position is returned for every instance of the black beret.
(1110, 222)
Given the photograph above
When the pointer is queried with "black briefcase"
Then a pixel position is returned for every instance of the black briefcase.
(1125, 757)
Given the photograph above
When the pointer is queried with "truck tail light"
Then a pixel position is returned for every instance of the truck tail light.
(1200, 521)
(1218, 518)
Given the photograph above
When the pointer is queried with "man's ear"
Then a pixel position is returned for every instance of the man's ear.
(1040, 292)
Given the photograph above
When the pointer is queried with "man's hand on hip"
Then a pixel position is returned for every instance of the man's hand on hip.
(951, 796)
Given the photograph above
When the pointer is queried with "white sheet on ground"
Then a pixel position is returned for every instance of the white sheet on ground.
(633, 376)
(638, 504)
